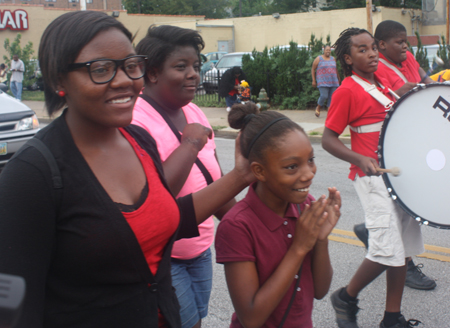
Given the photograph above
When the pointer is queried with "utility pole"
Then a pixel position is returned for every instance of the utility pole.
(369, 16)
(240, 8)
(447, 29)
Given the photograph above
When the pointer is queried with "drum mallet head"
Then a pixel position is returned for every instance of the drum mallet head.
(395, 171)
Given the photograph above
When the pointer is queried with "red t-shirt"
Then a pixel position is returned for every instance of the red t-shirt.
(251, 231)
(157, 219)
(234, 91)
(353, 106)
(410, 69)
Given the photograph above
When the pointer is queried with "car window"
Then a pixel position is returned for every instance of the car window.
(230, 61)
(219, 55)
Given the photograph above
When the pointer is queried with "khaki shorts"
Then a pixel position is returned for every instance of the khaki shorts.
(393, 234)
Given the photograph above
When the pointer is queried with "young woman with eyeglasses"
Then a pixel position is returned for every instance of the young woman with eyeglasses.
(95, 251)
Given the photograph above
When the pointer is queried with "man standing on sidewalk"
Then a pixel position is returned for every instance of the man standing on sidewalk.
(17, 69)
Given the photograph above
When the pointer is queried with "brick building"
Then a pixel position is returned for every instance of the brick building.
(72, 4)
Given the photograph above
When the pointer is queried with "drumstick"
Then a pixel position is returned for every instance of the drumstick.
(395, 171)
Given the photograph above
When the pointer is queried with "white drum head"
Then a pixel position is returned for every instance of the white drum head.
(416, 139)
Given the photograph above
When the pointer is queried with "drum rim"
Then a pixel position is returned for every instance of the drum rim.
(385, 177)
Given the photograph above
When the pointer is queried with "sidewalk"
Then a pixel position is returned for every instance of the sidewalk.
(217, 117)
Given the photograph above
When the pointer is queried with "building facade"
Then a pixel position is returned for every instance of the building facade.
(71, 4)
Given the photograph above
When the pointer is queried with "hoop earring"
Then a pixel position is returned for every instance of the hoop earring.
(61, 93)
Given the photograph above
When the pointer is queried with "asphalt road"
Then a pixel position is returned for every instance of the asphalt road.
(430, 307)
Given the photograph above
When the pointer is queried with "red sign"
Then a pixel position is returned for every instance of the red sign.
(15, 21)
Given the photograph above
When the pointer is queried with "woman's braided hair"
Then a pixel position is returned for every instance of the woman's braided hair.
(343, 44)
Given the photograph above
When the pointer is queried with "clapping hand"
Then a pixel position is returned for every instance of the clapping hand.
(333, 209)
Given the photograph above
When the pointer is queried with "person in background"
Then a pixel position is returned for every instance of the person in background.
(15, 82)
(229, 85)
(397, 64)
(93, 242)
(325, 77)
(165, 110)
(245, 92)
(3, 77)
(442, 76)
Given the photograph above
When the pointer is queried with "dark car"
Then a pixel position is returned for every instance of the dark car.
(18, 124)
(211, 79)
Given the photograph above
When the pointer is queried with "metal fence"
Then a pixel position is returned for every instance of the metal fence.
(209, 86)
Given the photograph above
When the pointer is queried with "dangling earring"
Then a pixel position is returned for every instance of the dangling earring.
(61, 93)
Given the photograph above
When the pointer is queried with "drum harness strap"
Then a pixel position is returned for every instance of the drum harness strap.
(395, 69)
(380, 97)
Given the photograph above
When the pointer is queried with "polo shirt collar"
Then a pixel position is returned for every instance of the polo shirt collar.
(267, 216)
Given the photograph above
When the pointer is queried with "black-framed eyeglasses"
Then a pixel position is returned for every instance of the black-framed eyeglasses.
(103, 70)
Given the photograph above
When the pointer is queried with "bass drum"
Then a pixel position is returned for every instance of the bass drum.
(415, 138)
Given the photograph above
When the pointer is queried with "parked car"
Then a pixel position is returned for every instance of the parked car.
(211, 60)
(431, 49)
(210, 83)
(18, 123)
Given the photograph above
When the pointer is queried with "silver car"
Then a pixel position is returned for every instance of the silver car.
(18, 123)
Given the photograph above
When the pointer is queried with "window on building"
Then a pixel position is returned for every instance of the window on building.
(88, 1)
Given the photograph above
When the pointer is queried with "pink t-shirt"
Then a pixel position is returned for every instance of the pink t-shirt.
(147, 117)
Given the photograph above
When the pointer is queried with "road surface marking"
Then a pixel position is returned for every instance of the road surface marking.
(432, 254)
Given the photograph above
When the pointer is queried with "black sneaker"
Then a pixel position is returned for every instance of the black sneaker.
(362, 233)
(416, 279)
(345, 311)
(402, 323)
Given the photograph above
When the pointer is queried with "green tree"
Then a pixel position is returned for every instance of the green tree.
(209, 8)
(421, 54)
(246, 8)
(444, 54)
(25, 54)
(347, 4)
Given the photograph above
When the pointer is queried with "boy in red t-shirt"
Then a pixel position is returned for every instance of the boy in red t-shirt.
(397, 64)
(393, 234)
(401, 70)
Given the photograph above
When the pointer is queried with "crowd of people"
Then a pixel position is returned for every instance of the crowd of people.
(120, 192)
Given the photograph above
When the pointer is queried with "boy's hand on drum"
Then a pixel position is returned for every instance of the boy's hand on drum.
(368, 165)
(333, 208)
(196, 135)
(310, 224)
(405, 88)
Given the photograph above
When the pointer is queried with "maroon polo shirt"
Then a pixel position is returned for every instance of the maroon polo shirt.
(251, 231)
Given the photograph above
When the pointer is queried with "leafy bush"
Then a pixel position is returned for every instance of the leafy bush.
(285, 73)
(444, 54)
(421, 54)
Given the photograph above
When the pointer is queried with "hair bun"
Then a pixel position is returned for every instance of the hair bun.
(238, 116)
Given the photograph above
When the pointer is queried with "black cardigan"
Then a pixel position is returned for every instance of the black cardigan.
(82, 263)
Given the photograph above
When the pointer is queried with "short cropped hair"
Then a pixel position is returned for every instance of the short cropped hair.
(388, 29)
(161, 41)
(61, 43)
